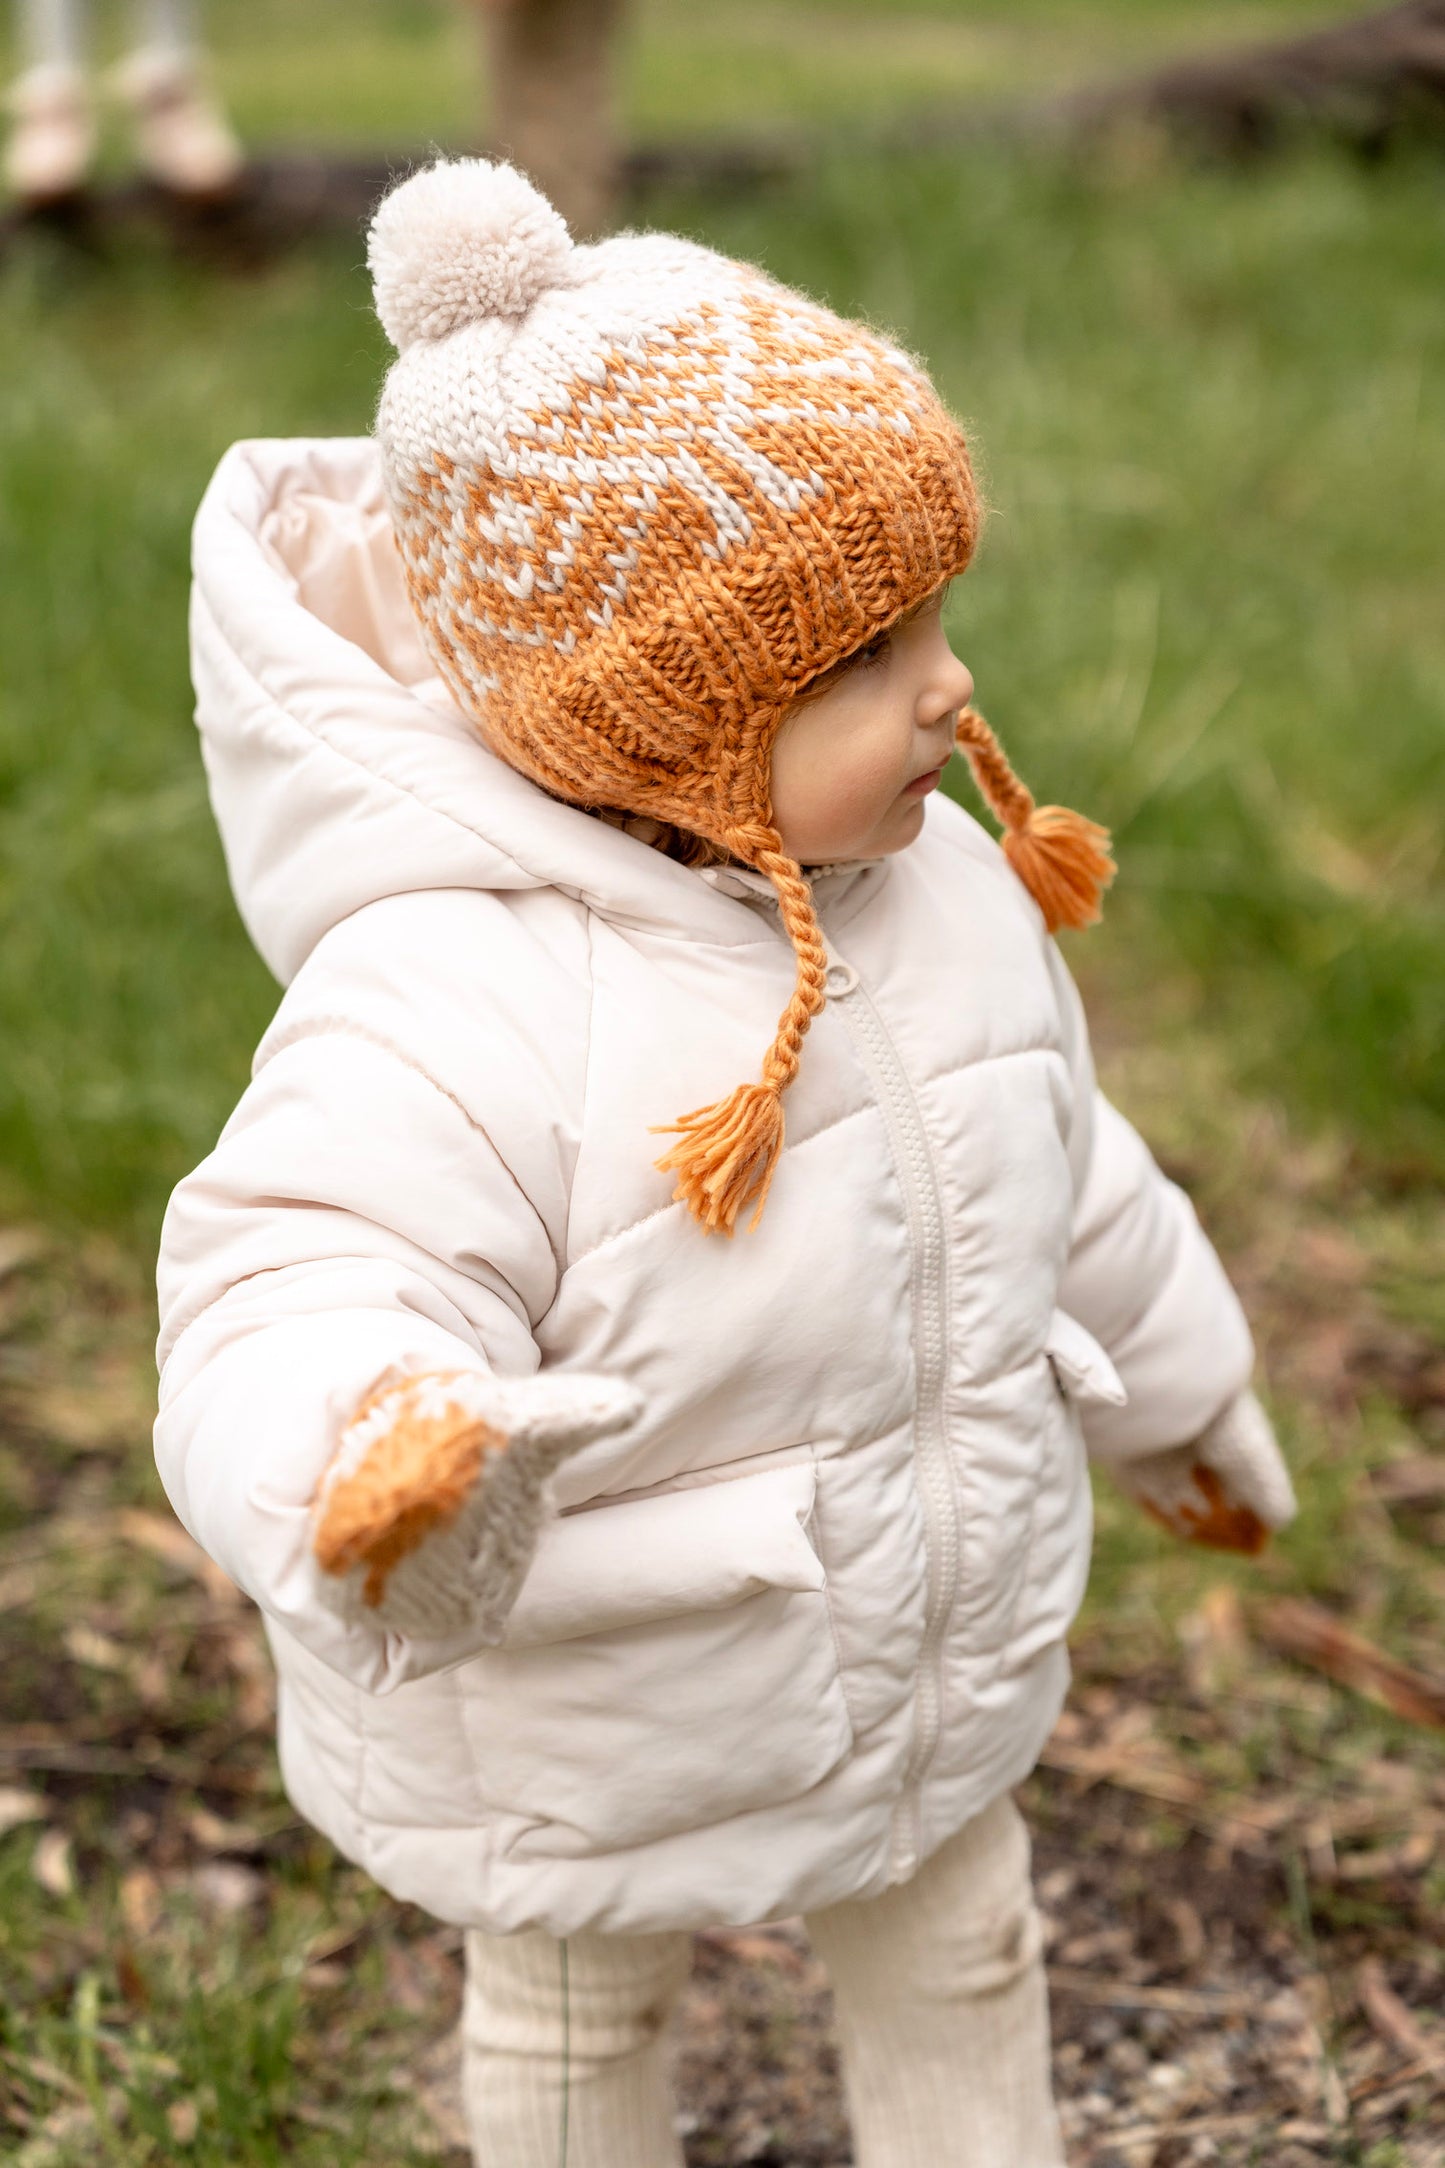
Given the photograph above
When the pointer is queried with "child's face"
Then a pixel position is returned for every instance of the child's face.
(853, 765)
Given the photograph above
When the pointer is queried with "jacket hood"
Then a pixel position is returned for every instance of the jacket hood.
(340, 769)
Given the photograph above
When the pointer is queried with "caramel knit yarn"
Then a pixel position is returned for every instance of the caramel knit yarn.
(643, 495)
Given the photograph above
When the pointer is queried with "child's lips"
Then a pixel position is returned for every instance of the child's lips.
(923, 784)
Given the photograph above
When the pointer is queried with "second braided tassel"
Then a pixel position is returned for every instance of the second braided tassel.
(1063, 860)
(1061, 856)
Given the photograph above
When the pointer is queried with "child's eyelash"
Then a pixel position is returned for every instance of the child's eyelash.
(875, 650)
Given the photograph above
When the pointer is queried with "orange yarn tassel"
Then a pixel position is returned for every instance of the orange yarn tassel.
(727, 1154)
(1063, 860)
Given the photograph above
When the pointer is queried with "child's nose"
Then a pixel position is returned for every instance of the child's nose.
(951, 689)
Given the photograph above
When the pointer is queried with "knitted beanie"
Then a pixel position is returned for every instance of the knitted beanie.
(643, 495)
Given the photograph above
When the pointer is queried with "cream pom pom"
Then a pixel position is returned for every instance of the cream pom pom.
(463, 240)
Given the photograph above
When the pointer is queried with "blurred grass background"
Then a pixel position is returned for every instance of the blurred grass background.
(364, 72)
(1208, 407)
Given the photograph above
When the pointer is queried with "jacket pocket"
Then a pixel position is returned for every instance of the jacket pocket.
(670, 1663)
(703, 1549)
(1081, 1368)
(1062, 1522)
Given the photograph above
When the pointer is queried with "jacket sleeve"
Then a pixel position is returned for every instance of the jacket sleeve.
(353, 1220)
(1142, 1276)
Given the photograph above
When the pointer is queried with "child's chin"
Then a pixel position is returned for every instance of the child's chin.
(906, 828)
(894, 832)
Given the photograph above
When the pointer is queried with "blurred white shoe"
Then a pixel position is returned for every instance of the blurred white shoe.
(52, 134)
(183, 139)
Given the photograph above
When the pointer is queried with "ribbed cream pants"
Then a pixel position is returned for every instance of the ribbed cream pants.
(941, 2008)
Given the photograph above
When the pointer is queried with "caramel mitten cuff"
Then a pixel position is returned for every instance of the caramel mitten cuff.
(427, 1517)
(1229, 1488)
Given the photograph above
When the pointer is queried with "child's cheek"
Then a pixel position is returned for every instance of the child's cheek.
(864, 799)
(861, 790)
(838, 781)
(828, 816)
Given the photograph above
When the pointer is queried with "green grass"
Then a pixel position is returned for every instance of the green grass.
(1209, 409)
(129, 992)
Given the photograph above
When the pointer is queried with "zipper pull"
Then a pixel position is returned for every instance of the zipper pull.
(840, 979)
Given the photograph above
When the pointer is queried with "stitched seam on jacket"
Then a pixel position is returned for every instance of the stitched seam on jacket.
(242, 1279)
(464, 1330)
(340, 1027)
(343, 1027)
(984, 1061)
(582, 1117)
(815, 1522)
(621, 1234)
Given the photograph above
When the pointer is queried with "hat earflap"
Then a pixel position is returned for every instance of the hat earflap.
(1061, 857)
(727, 1153)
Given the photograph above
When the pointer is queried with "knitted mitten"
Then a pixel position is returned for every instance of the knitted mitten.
(1229, 1489)
(428, 1515)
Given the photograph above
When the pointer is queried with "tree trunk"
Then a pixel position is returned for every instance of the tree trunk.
(551, 65)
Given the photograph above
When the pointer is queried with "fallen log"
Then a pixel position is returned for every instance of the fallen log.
(1365, 80)
(289, 196)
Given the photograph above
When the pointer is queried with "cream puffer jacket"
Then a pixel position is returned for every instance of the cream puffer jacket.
(806, 1615)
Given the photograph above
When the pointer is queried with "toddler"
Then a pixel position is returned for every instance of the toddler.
(662, 1530)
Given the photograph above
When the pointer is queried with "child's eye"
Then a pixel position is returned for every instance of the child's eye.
(875, 651)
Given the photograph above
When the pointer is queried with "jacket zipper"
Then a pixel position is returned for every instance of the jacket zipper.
(914, 1163)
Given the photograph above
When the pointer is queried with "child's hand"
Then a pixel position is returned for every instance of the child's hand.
(427, 1518)
(1230, 1489)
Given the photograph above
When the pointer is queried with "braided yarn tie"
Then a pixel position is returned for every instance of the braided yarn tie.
(729, 1152)
(1061, 857)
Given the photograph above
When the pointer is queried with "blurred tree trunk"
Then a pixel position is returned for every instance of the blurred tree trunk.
(551, 64)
